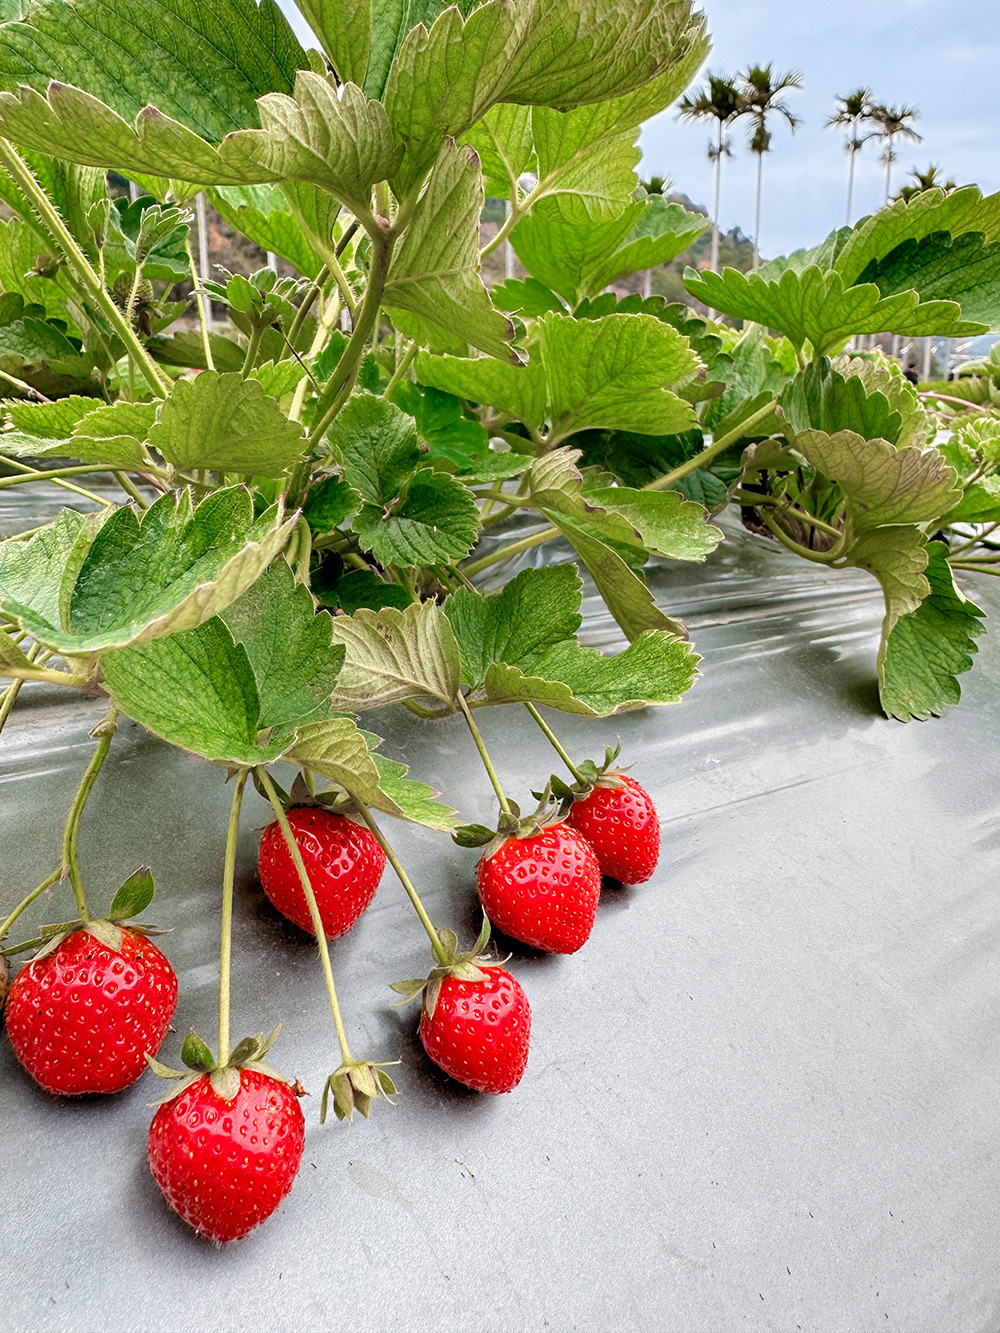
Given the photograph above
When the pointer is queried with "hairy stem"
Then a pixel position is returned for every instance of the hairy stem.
(105, 733)
(554, 741)
(506, 552)
(484, 755)
(33, 474)
(314, 915)
(403, 878)
(9, 920)
(201, 297)
(226, 943)
(714, 449)
(23, 177)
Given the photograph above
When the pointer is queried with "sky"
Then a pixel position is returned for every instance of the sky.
(941, 56)
(938, 55)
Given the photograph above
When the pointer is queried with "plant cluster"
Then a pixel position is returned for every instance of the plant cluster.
(313, 522)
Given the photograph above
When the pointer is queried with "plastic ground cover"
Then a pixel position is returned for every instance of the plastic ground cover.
(764, 1096)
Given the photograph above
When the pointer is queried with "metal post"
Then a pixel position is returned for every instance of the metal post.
(204, 263)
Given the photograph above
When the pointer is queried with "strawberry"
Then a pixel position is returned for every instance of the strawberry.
(225, 1165)
(619, 821)
(343, 860)
(542, 889)
(479, 1031)
(83, 1017)
(475, 1021)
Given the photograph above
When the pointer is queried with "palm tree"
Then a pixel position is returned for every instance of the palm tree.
(722, 102)
(854, 111)
(761, 98)
(925, 180)
(892, 124)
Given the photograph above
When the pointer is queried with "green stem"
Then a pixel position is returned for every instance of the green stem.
(338, 390)
(343, 286)
(36, 196)
(975, 569)
(974, 541)
(403, 878)
(759, 501)
(555, 743)
(401, 369)
(42, 674)
(484, 755)
(314, 915)
(775, 528)
(8, 921)
(105, 731)
(76, 470)
(714, 449)
(506, 552)
(33, 474)
(34, 394)
(253, 347)
(129, 487)
(201, 297)
(308, 301)
(226, 943)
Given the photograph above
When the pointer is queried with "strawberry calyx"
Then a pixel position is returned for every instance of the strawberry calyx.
(588, 775)
(513, 825)
(225, 1078)
(354, 1086)
(130, 901)
(302, 796)
(469, 966)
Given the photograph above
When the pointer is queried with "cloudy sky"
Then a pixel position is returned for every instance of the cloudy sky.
(937, 55)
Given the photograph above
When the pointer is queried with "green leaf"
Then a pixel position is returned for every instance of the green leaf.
(330, 502)
(49, 421)
(575, 52)
(188, 74)
(941, 267)
(819, 308)
(897, 557)
(588, 174)
(612, 372)
(517, 391)
(526, 297)
(667, 524)
(289, 646)
(502, 139)
(337, 139)
(133, 897)
(657, 668)
(337, 750)
(403, 797)
(883, 484)
(227, 423)
(885, 377)
(434, 290)
(663, 231)
(443, 79)
(434, 519)
(531, 613)
(11, 655)
(277, 378)
(563, 254)
(187, 349)
(120, 452)
(195, 690)
(396, 655)
(378, 446)
(344, 28)
(262, 213)
(931, 211)
(926, 649)
(820, 398)
(109, 580)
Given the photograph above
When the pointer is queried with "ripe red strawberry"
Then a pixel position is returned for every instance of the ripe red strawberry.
(343, 860)
(542, 890)
(83, 1017)
(224, 1166)
(480, 1030)
(621, 825)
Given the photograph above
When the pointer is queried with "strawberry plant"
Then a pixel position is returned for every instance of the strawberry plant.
(307, 516)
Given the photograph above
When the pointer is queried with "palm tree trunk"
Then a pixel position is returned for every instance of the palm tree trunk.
(718, 202)
(888, 168)
(853, 153)
(756, 214)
